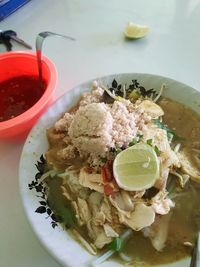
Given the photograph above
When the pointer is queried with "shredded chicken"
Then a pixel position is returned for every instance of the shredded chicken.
(106, 210)
(168, 157)
(141, 217)
(158, 231)
(188, 166)
(75, 188)
(102, 239)
(151, 109)
(98, 234)
(84, 211)
(91, 180)
(162, 204)
(109, 231)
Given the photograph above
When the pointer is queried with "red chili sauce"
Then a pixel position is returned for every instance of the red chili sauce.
(19, 94)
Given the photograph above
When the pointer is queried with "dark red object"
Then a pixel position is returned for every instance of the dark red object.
(110, 185)
(107, 171)
(19, 94)
(108, 190)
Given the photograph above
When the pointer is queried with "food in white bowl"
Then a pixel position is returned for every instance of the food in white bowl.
(121, 173)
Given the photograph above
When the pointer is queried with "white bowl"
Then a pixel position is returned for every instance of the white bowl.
(57, 241)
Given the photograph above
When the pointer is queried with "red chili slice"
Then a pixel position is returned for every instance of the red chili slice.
(107, 171)
(108, 190)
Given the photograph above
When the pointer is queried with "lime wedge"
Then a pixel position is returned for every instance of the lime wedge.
(133, 30)
(136, 168)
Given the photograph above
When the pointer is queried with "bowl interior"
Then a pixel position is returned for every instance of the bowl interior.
(57, 241)
(25, 63)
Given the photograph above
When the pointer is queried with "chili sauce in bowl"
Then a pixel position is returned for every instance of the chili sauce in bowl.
(22, 98)
(18, 94)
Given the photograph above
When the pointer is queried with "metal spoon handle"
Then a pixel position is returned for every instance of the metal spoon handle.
(195, 261)
(39, 42)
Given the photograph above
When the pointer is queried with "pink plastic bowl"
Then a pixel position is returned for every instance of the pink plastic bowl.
(14, 64)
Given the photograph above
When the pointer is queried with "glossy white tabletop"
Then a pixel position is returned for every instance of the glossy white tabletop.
(172, 49)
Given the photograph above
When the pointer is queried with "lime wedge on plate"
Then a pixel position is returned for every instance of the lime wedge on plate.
(136, 168)
(135, 31)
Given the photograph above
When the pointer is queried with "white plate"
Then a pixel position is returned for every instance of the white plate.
(57, 241)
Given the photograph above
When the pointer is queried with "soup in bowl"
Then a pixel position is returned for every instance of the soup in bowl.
(117, 172)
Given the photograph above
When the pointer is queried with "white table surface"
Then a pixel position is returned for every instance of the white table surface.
(171, 49)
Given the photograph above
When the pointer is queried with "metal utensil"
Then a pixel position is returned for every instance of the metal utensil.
(12, 35)
(195, 261)
(39, 42)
